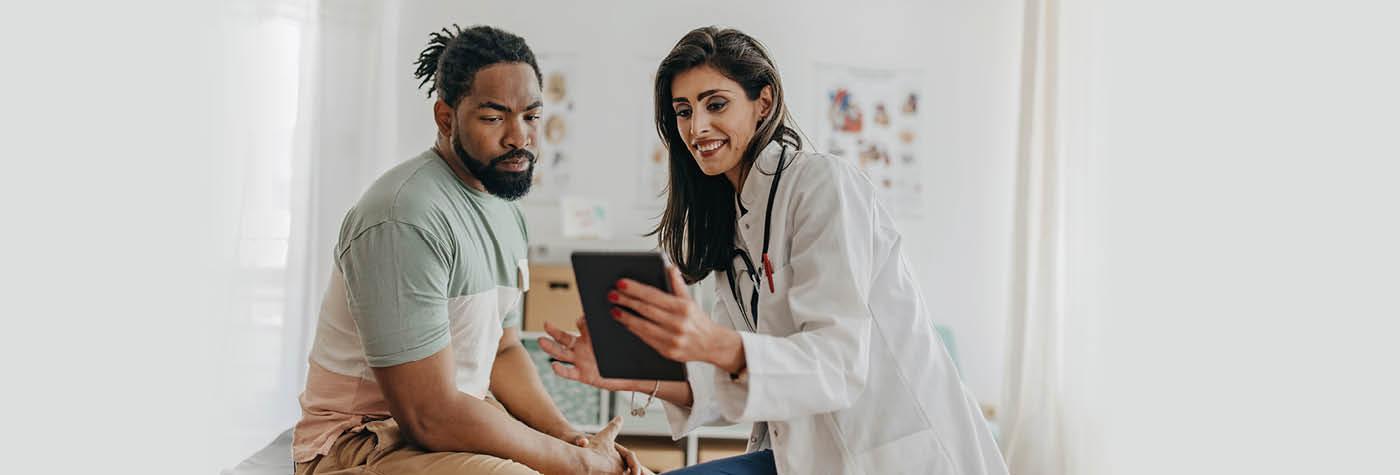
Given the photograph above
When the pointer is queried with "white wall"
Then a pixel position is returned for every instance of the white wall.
(109, 188)
(1245, 213)
(967, 49)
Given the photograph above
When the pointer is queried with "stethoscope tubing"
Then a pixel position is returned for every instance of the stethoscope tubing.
(767, 263)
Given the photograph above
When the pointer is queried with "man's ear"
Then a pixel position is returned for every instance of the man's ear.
(442, 116)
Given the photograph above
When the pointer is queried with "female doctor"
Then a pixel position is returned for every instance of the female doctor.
(820, 336)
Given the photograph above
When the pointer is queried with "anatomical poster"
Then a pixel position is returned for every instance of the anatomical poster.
(871, 116)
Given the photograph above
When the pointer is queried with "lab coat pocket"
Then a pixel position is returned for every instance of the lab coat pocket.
(887, 398)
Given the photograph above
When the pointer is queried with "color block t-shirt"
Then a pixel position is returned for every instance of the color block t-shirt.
(423, 262)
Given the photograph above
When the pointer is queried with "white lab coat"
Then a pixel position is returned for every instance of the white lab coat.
(846, 374)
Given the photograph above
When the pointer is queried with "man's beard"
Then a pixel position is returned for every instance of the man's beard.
(506, 185)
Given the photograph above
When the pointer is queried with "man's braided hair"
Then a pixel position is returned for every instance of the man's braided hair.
(453, 57)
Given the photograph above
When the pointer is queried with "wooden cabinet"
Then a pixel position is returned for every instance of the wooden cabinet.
(553, 297)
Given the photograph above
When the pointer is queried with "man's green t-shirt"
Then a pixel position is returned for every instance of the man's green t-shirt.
(423, 263)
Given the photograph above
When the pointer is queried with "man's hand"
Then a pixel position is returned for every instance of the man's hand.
(634, 466)
(606, 457)
(574, 437)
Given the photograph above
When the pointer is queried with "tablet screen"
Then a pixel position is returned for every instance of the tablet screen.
(620, 353)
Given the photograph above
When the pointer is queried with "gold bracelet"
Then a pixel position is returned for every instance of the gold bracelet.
(642, 411)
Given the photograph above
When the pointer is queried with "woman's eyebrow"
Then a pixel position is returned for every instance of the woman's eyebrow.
(699, 97)
(709, 93)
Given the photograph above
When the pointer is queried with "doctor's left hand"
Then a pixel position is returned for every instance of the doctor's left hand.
(673, 323)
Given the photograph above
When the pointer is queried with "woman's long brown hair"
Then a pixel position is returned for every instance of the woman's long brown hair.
(697, 227)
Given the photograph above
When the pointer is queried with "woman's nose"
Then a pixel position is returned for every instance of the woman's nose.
(699, 124)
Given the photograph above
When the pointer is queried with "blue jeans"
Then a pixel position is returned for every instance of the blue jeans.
(752, 463)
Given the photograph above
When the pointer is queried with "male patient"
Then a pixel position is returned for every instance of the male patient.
(417, 366)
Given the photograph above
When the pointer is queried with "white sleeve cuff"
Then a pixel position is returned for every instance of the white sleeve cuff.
(733, 394)
(703, 410)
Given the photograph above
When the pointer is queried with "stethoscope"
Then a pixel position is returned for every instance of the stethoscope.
(740, 253)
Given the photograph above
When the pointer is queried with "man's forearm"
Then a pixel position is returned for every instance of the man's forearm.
(469, 424)
(516, 384)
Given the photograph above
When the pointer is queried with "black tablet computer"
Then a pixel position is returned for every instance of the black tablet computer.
(620, 353)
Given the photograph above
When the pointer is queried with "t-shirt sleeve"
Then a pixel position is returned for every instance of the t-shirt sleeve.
(396, 277)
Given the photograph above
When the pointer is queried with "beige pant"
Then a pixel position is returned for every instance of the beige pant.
(381, 449)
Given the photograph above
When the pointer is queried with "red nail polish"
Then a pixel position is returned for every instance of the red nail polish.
(616, 313)
(612, 296)
(621, 285)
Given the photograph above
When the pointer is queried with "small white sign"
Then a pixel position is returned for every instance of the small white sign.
(585, 218)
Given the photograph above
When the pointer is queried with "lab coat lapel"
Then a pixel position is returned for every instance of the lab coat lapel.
(755, 197)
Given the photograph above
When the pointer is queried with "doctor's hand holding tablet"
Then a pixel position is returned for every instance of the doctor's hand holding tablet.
(674, 324)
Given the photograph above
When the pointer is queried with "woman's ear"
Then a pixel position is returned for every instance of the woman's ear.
(765, 103)
(442, 116)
